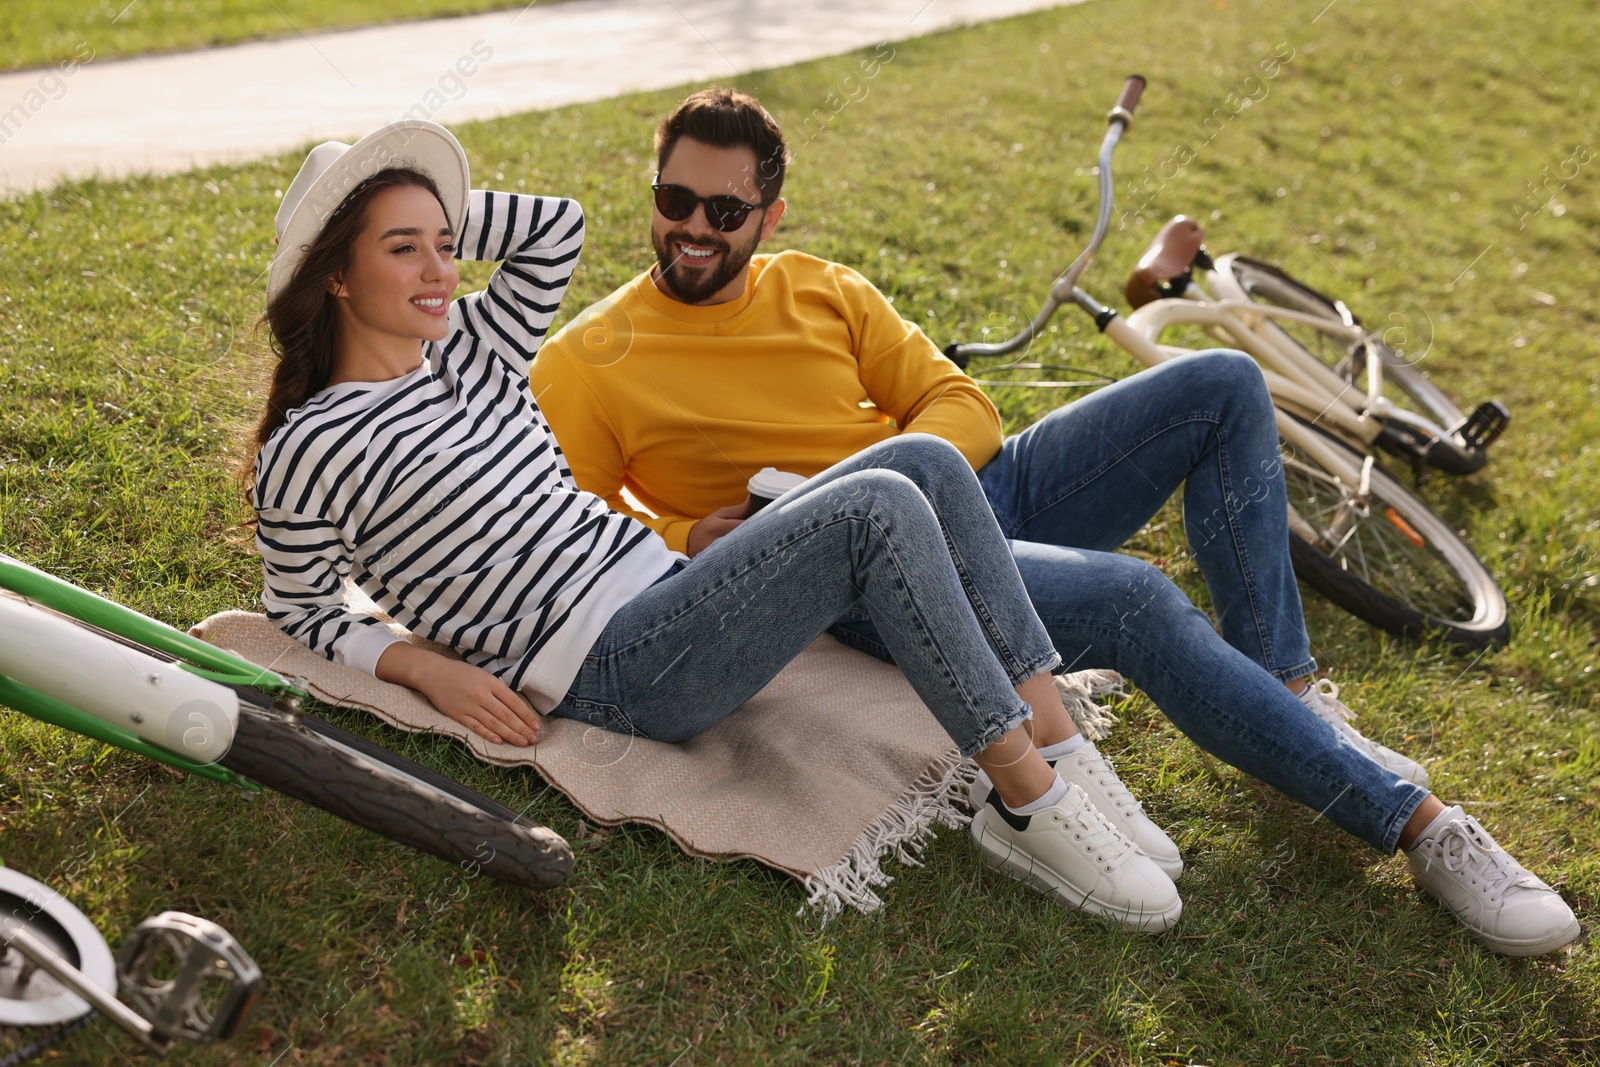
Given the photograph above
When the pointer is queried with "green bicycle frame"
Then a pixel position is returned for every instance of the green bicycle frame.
(48, 709)
(190, 653)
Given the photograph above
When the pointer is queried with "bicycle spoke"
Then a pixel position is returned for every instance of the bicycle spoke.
(1372, 546)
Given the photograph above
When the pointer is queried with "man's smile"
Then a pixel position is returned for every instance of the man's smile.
(696, 253)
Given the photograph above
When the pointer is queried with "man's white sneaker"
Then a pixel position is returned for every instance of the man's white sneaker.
(1074, 853)
(1322, 697)
(1092, 772)
(1500, 901)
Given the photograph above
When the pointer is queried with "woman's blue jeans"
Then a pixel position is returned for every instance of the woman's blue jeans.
(1078, 483)
(901, 528)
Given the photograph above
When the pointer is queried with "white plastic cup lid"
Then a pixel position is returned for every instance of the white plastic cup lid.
(771, 483)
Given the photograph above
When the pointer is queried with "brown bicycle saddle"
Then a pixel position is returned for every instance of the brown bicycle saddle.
(1169, 255)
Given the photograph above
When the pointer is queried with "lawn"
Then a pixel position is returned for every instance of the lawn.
(1430, 163)
(33, 33)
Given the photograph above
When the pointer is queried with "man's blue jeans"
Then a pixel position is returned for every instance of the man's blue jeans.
(1077, 484)
(1090, 474)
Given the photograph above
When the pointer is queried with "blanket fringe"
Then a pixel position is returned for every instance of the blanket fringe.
(937, 798)
(1079, 691)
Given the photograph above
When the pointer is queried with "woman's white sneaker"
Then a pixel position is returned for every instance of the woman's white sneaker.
(1073, 852)
(1092, 772)
(1322, 697)
(1504, 905)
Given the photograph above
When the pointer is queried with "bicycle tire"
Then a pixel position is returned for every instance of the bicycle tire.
(331, 769)
(1401, 568)
(1265, 284)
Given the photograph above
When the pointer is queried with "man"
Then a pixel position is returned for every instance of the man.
(717, 362)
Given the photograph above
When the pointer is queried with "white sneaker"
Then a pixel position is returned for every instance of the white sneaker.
(1322, 697)
(1074, 853)
(1092, 772)
(1500, 901)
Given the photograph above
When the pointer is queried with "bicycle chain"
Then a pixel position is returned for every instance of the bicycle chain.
(50, 1040)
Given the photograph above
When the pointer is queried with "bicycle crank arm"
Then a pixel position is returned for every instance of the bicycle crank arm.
(41, 956)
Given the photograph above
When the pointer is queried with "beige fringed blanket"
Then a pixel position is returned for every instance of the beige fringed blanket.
(835, 765)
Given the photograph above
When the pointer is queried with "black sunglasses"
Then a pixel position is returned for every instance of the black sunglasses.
(724, 213)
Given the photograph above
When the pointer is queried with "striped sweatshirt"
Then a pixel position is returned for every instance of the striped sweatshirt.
(443, 495)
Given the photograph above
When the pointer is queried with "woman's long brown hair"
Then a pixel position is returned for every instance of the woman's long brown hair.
(303, 318)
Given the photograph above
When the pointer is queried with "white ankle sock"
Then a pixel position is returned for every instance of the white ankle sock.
(1064, 748)
(1050, 799)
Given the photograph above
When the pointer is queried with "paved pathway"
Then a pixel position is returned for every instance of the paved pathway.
(168, 113)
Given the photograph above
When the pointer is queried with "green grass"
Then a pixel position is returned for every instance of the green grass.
(1400, 138)
(35, 33)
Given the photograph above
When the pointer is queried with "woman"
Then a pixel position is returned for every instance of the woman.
(400, 448)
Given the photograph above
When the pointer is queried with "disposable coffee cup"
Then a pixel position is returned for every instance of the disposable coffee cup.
(769, 484)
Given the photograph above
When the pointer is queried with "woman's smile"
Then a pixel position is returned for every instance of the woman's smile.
(436, 303)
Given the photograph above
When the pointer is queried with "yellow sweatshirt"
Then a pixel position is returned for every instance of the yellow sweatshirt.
(681, 404)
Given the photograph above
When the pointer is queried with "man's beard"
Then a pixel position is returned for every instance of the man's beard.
(694, 285)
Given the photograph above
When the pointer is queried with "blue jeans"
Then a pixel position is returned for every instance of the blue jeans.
(1090, 474)
(902, 528)
(1075, 485)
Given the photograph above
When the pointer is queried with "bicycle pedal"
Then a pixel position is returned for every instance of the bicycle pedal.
(187, 977)
(1485, 425)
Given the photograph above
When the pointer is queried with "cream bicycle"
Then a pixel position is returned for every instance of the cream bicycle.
(1356, 535)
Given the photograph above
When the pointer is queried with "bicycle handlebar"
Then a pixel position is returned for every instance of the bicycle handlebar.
(1117, 121)
(1132, 89)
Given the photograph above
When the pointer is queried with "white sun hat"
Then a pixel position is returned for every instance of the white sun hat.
(333, 169)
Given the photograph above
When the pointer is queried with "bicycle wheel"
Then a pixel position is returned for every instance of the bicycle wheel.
(1385, 557)
(348, 776)
(1417, 402)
